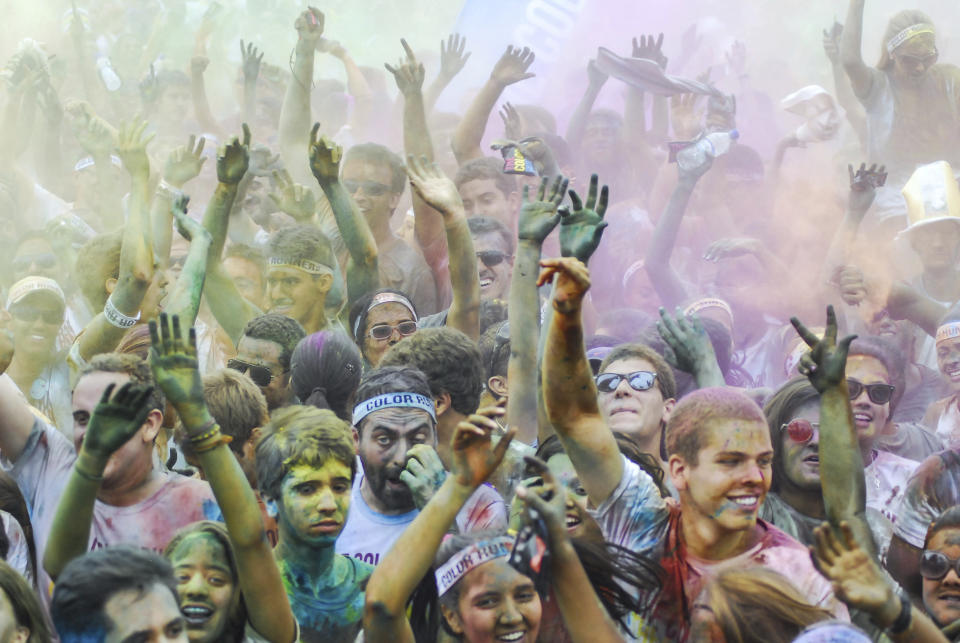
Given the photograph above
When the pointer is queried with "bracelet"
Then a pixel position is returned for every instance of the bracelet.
(218, 440)
(116, 318)
(207, 431)
(87, 476)
(902, 622)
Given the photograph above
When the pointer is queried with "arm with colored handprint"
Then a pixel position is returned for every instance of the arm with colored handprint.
(118, 418)
(538, 217)
(363, 267)
(400, 571)
(452, 61)
(841, 463)
(511, 68)
(136, 250)
(295, 115)
(173, 359)
(439, 192)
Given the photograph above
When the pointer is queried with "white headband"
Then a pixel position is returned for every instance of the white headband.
(468, 559)
(948, 331)
(399, 400)
(384, 298)
(907, 34)
(312, 267)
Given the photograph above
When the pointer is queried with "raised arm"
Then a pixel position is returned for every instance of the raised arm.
(295, 115)
(511, 68)
(863, 189)
(102, 335)
(184, 300)
(569, 391)
(690, 348)
(841, 83)
(198, 91)
(16, 420)
(183, 164)
(173, 359)
(578, 122)
(411, 557)
(252, 58)
(452, 61)
(438, 191)
(357, 85)
(115, 420)
(861, 76)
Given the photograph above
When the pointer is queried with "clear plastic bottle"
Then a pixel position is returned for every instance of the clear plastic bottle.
(712, 145)
(109, 77)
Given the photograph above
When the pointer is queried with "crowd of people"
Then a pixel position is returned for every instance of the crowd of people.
(571, 385)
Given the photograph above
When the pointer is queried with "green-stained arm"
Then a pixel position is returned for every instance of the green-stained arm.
(861, 76)
(184, 299)
(570, 394)
(400, 571)
(691, 349)
(125, 416)
(173, 359)
(363, 266)
(136, 251)
(537, 219)
(440, 193)
(295, 115)
(511, 68)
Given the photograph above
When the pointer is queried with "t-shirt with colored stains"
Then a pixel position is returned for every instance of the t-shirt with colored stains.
(636, 517)
(886, 481)
(42, 472)
(933, 488)
(368, 534)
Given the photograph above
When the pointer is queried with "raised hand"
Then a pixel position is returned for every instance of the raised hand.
(863, 186)
(452, 58)
(582, 227)
(540, 216)
(825, 363)
(116, 419)
(309, 26)
(433, 186)
(571, 281)
(332, 47)
(174, 365)
(423, 473)
(852, 284)
(856, 578)
(511, 122)
(737, 58)
(408, 73)
(512, 66)
(732, 247)
(325, 157)
(292, 198)
(95, 136)
(189, 228)
(132, 148)
(831, 42)
(474, 457)
(549, 500)
(233, 159)
(688, 341)
(185, 163)
(252, 58)
(650, 49)
(686, 115)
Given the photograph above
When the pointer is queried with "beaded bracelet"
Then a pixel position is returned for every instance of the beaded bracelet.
(207, 431)
(215, 441)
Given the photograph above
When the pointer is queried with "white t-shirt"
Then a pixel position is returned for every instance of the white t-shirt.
(369, 535)
(886, 480)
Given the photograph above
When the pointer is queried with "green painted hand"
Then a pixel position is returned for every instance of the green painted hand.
(116, 419)
(539, 217)
(189, 228)
(325, 157)
(234, 159)
(582, 227)
(825, 363)
(689, 343)
(423, 474)
(174, 365)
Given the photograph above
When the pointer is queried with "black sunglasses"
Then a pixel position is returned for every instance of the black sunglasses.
(913, 61)
(44, 260)
(491, 258)
(384, 331)
(934, 565)
(638, 381)
(370, 188)
(878, 393)
(30, 314)
(261, 375)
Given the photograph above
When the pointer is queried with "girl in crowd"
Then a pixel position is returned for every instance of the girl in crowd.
(379, 320)
(21, 616)
(325, 370)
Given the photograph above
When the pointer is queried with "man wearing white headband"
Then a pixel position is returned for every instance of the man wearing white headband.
(300, 275)
(395, 426)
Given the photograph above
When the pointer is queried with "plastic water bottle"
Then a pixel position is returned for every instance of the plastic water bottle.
(712, 145)
(109, 77)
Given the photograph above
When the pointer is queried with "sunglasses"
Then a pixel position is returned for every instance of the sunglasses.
(878, 393)
(384, 331)
(30, 314)
(913, 61)
(638, 381)
(261, 375)
(934, 565)
(491, 258)
(801, 431)
(370, 188)
(25, 262)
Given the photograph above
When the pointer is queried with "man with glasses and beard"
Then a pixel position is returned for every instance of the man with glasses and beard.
(263, 353)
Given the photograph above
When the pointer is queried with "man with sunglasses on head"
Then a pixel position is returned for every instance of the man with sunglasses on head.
(263, 354)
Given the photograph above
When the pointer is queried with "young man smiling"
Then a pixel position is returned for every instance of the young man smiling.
(720, 459)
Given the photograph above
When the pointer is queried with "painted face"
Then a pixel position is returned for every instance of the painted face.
(801, 461)
(390, 314)
(726, 487)
(315, 501)
(370, 186)
(482, 198)
(247, 277)
(494, 265)
(496, 603)
(206, 585)
(916, 56)
(580, 523)
(948, 359)
(941, 597)
(35, 322)
(385, 437)
(869, 418)
(35, 257)
(10, 630)
(936, 244)
(130, 463)
(266, 353)
(296, 293)
(151, 615)
(635, 413)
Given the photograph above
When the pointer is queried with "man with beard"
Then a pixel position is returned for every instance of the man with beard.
(395, 427)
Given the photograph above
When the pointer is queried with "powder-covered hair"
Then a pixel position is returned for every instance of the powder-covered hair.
(899, 22)
(693, 414)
